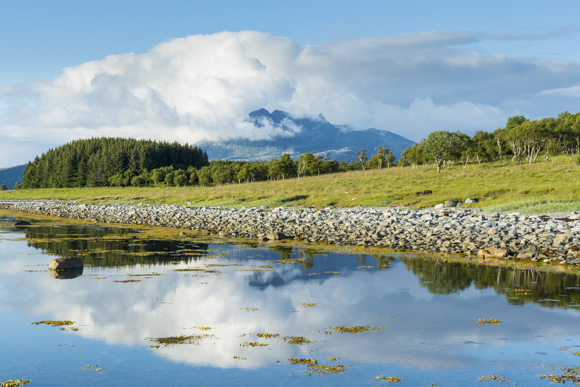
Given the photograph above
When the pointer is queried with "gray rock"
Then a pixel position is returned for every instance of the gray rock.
(66, 263)
(450, 203)
(276, 236)
(66, 274)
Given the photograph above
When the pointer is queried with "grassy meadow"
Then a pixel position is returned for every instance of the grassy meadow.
(500, 186)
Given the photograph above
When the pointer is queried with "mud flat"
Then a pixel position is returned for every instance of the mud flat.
(541, 239)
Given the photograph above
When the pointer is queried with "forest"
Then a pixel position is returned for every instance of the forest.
(127, 162)
(104, 161)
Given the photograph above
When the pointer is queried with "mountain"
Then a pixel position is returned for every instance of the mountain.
(337, 142)
(10, 176)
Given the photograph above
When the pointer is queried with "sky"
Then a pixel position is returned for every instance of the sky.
(189, 70)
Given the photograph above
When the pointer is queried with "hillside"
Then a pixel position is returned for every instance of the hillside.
(337, 142)
(499, 186)
(9, 176)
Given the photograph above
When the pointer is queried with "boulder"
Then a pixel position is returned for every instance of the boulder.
(450, 203)
(560, 239)
(276, 236)
(439, 206)
(471, 201)
(492, 252)
(66, 263)
(66, 274)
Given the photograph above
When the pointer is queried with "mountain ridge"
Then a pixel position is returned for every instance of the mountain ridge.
(9, 176)
(337, 142)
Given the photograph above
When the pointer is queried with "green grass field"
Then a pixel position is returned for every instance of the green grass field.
(500, 186)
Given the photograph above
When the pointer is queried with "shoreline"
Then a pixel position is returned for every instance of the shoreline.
(507, 237)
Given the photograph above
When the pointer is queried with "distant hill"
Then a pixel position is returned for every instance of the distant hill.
(10, 176)
(337, 142)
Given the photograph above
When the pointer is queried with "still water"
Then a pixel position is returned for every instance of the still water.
(242, 314)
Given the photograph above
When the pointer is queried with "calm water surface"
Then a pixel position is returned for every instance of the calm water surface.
(421, 315)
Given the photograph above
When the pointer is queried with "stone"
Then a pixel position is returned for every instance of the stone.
(450, 203)
(559, 239)
(492, 252)
(66, 274)
(471, 201)
(438, 206)
(66, 263)
(276, 236)
(527, 255)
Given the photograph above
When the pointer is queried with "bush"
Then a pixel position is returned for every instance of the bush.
(3, 187)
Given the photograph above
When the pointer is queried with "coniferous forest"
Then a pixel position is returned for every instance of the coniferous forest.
(104, 161)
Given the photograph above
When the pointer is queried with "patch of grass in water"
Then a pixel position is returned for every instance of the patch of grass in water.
(94, 368)
(54, 323)
(491, 321)
(570, 375)
(300, 340)
(175, 340)
(322, 369)
(267, 335)
(211, 271)
(17, 382)
(389, 379)
(253, 344)
(145, 275)
(358, 329)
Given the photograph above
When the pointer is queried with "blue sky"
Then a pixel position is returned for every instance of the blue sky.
(406, 66)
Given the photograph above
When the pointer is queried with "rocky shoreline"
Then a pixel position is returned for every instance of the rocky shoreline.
(507, 236)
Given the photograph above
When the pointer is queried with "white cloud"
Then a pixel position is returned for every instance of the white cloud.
(570, 92)
(204, 86)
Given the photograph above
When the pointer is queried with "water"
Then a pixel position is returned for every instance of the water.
(420, 314)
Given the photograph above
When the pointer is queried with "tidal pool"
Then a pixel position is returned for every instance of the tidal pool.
(149, 309)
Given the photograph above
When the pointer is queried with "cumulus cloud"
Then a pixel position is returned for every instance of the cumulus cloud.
(204, 86)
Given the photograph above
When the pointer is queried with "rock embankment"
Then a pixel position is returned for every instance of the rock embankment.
(449, 231)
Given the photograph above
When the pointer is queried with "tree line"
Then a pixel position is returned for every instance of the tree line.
(119, 162)
(128, 162)
(521, 139)
(105, 161)
(220, 172)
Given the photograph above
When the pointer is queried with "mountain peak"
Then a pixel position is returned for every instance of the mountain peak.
(276, 116)
(317, 135)
(260, 113)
